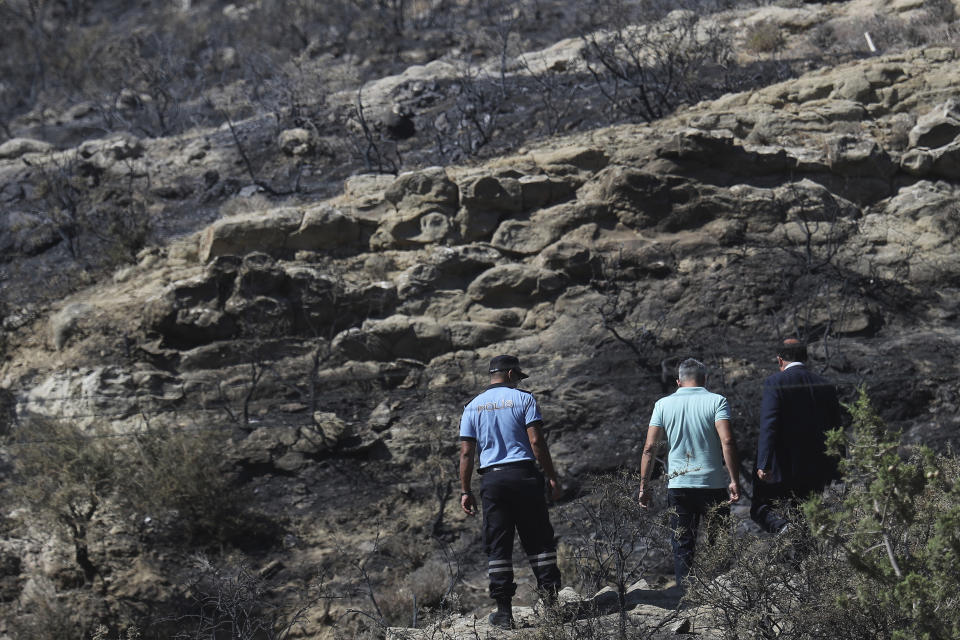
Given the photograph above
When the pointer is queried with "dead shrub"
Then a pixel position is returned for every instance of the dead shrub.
(177, 478)
(648, 70)
(764, 37)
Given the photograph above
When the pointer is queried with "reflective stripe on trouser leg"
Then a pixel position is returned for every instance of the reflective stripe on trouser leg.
(545, 568)
(543, 559)
(503, 567)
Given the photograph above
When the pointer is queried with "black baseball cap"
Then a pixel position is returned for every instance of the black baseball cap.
(506, 363)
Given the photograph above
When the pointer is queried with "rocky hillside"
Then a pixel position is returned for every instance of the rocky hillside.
(319, 347)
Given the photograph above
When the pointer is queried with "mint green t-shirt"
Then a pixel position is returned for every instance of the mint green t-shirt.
(696, 457)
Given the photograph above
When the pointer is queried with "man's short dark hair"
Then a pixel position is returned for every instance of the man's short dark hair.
(691, 369)
(792, 350)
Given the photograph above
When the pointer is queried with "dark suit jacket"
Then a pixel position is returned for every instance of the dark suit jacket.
(798, 408)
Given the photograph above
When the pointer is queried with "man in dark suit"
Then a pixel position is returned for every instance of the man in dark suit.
(798, 408)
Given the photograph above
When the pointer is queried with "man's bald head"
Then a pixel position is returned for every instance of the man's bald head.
(792, 350)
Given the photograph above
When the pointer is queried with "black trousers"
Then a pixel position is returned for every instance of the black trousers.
(691, 506)
(513, 500)
(764, 498)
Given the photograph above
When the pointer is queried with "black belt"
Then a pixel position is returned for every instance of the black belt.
(520, 464)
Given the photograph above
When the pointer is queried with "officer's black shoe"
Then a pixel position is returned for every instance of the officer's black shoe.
(501, 620)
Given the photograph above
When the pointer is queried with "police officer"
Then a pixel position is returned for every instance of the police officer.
(505, 425)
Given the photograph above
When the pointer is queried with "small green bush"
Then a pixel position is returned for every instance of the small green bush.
(899, 527)
(878, 556)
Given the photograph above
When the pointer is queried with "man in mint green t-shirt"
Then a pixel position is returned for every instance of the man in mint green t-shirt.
(702, 464)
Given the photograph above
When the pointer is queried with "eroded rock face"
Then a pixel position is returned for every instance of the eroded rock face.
(280, 231)
(17, 147)
(938, 127)
(255, 295)
(354, 329)
(424, 204)
(916, 232)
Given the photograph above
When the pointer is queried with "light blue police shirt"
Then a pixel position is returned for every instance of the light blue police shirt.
(497, 419)
(696, 457)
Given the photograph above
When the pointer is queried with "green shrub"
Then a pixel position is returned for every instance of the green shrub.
(899, 527)
(880, 557)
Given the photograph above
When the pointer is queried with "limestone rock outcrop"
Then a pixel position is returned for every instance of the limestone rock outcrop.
(333, 341)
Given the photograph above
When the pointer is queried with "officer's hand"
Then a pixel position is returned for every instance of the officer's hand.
(469, 504)
(764, 475)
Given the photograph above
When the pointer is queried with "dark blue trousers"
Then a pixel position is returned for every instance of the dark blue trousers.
(772, 505)
(513, 500)
(691, 507)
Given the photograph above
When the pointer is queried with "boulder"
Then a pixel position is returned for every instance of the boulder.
(266, 444)
(860, 157)
(258, 297)
(917, 162)
(367, 190)
(543, 191)
(328, 432)
(793, 19)
(637, 198)
(17, 147)
(807, 200)
(398, 336)
(524, 238)
(581, 158)
(95, 395)
(417, 280)
(466, 335)
(260, 231)
(464, 261)
(915, 232)
(189, 312)
(29, 234)
(502, 194)
(938, 127)
(296, 142)
(424, 203)
(107, 151)
(946, 162)
(572, 258)
(485, 201)
(852, 84)
(510, 285)
(404, 229)
(324, 228)
(364, 194)
(358, 345)
(504, 317)
(262, 301)
(426, 191)
(326, 304)
(718, 157)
